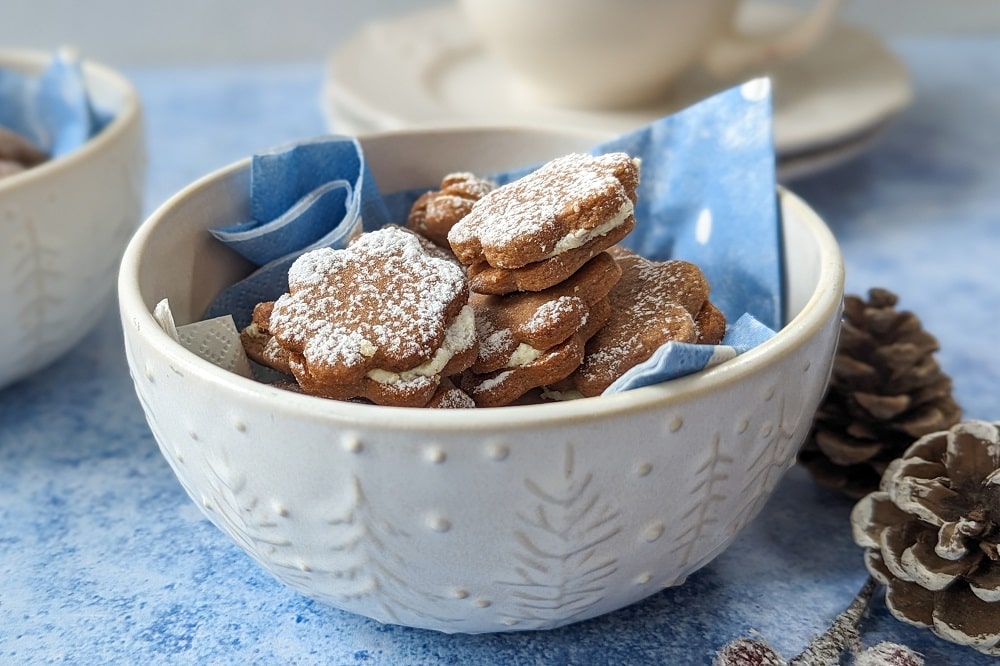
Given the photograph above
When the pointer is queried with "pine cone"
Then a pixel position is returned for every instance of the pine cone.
(886, 391)
(889, 654)
(748, 652)
(932, 534)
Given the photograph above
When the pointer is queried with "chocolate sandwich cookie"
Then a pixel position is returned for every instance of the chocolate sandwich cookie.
(259, 344)
(533, 339)
(434, 213)
(381, 320)
(537, 231)
(652, 304)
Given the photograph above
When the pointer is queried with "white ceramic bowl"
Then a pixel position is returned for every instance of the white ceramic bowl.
(63, 226)
(482, 520)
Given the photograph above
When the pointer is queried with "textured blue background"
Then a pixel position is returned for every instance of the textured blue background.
(103, 559)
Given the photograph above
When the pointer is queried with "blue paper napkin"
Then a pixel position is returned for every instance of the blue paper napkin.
(676, 359)
(706, 194)
(303, 196)
(53, 110)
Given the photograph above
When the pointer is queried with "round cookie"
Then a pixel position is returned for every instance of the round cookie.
(577, 204)
(381, 319)
(434, 213)
(652, 304)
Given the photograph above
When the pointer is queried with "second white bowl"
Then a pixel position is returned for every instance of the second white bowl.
(63, 226)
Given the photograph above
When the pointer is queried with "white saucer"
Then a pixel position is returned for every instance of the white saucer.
(427, 70)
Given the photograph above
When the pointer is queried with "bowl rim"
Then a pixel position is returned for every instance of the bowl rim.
(30, 61)
(823, 303)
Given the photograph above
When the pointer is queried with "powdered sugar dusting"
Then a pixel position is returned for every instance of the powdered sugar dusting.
(652, 303)
(492, 341)
(467, 183)
(550, 313)
(454, 398)
(492, 382)
(533, 214)
(383, 297)
(624, 352)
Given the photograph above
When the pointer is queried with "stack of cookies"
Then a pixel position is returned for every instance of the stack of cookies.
(489, 295)
(537, 267)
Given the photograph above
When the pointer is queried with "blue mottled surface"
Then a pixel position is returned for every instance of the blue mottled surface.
(103, 559)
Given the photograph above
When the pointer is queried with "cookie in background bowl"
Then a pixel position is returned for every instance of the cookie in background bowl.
(64, 222)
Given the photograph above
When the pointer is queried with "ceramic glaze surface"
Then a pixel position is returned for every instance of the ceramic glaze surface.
(515, 518)
(63, 226)
(520, 528)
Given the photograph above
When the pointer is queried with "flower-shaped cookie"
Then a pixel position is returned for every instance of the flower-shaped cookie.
(381, 319)
(533, 339)
(536, 231)
(931, 534)
(652, 304)
(434, 213)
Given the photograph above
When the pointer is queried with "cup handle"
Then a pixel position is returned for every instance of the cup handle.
(738, 52)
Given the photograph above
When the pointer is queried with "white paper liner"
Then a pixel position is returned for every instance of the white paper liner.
(215, 340)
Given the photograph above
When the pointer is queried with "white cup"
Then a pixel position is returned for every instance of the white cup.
(617, 53)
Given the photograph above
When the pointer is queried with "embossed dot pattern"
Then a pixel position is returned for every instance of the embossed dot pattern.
(352, 443)
(438, 523)
(497, 451)
(653, 532)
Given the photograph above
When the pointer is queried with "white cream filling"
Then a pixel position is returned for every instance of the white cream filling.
(579, 237)
(523, 355)
(459, 337)
(253, 330)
